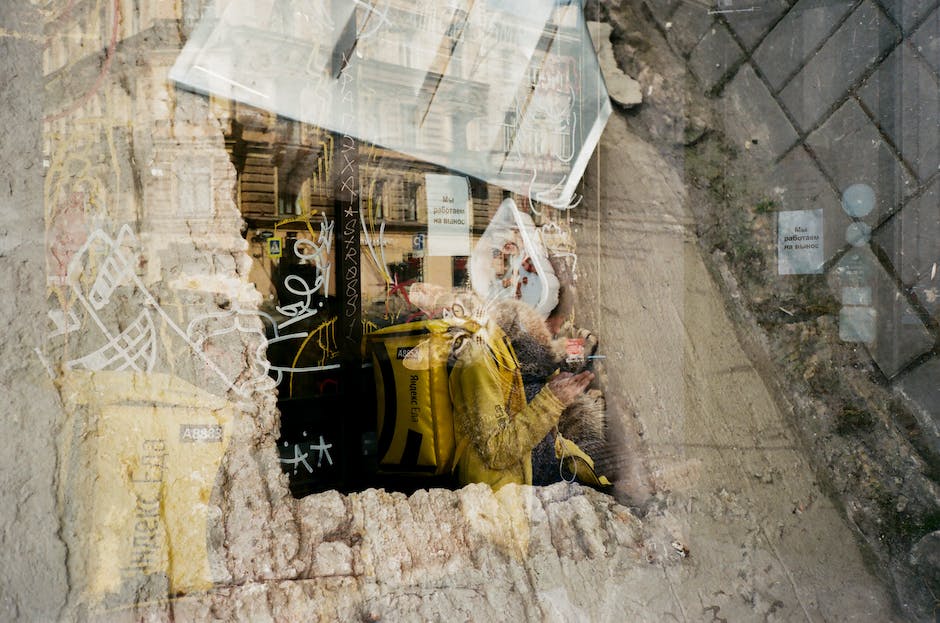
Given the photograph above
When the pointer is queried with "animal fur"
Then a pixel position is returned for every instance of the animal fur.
(540, 354)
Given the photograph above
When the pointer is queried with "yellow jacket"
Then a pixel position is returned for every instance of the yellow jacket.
(495, 428)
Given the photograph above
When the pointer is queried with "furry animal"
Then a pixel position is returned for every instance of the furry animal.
(539, 354)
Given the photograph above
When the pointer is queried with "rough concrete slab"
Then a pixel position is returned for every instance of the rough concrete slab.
(927, 40)
(34, 583)
(797, 184)
(620, 87)
(911, 239)
(927, 291)
(662, 9)
(904, 96)
(686, 27)
(900, 336)
(715, 56)
(852, 151)
(750, 21)
(843, 59)
(796, 37)
(908, 13)
(747, 502)
(753, 119)
(921, 386)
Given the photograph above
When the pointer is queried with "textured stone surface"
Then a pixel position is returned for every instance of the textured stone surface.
(796, 37)
(715, 56)
(751, 20)
(33, 577)
(753, 118)
(904, 96)
(922, 387)
(911, 238)
(622, 88)
(852, 151)
(662, 9)
(687, 25)
(864, 36)
(900, 336)
(909, 13)
(927, 40)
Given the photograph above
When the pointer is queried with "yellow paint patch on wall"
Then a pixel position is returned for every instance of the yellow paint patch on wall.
(144, 457)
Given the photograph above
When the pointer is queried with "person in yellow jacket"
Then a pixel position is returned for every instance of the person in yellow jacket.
(496, 428)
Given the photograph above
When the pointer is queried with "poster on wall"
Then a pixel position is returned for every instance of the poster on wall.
(449, 215)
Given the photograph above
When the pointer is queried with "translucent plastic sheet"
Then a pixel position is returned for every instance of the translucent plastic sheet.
(508, 92)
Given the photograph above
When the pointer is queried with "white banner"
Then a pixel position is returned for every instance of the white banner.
(449, 215)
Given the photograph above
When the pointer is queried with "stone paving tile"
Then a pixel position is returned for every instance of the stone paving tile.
(904, 96)
(751, 114)
(927, 40)
(662, 9)
(797, 184)
(922, 387)
(687, 26)
(715, 55)
(796, 36)
(911, 239)
(752, 19)
(899, 335)
(842, 60)
(907, 13)
(927, 291)
(852, 151)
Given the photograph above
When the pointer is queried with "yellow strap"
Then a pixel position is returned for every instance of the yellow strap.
(458, 454)
(576, 461)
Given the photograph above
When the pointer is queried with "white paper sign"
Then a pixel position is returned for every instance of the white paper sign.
(800, 242)
(448, 214)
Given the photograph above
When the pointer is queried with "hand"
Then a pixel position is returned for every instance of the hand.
(567, 387)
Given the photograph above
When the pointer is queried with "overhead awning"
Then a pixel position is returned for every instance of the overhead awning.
(508, 91)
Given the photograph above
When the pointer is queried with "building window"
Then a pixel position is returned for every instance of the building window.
(377, 198)
(410, 208)
(479, 190)
(460, 272)
(287, 204)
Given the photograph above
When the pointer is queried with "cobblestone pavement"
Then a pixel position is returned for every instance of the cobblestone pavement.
(835, 94)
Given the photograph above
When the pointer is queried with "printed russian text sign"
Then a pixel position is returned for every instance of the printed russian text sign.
(800, 242)
(448, 215)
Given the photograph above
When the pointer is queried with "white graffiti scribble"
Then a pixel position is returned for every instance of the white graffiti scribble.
(103, 264)
(65, 322)
(203, 329)
(135, 347)
(372, 25)
(300, 457)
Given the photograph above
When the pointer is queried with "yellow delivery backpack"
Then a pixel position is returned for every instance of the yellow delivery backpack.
(416, 433)
(415, 414)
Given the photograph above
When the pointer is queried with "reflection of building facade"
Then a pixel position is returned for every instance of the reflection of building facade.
(283, 172)
(415, 86)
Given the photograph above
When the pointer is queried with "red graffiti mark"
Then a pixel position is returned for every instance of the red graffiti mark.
(328, 383)
(66, 234)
